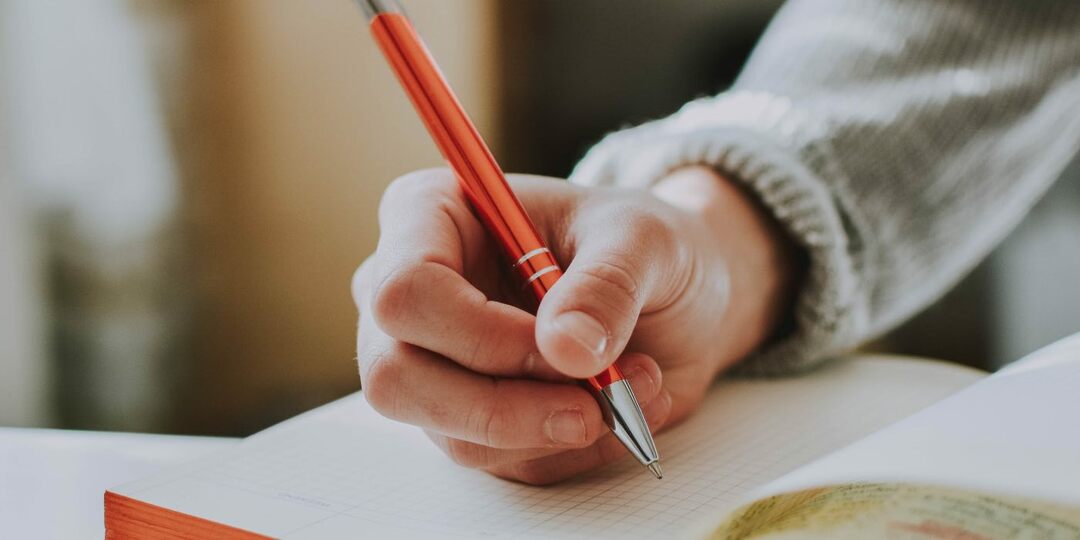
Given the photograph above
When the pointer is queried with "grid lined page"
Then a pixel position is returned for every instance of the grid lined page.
(342, 470)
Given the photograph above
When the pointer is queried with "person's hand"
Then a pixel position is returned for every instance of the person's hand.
(674, 284)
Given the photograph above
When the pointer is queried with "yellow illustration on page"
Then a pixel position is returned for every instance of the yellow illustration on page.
(900, 512)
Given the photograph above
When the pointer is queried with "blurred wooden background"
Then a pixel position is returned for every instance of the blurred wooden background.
(295, 126)
(285, 126)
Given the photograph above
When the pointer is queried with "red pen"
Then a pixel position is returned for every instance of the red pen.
(502, 214)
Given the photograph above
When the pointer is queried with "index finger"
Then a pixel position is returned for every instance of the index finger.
(420, 295)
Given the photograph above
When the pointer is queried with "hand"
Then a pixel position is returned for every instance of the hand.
(690, 277)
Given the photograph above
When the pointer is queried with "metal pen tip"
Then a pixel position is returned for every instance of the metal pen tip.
(654, 468)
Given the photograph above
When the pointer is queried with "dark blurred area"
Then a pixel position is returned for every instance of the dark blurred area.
(574, 71)
(186, 188)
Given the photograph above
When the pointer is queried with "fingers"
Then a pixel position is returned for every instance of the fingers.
(627, 259)
(644, 377)
(422, 217)
(415, 386)
(432, 306)
(478, 456)
(417, 292)
(435, 352)
(569, 463)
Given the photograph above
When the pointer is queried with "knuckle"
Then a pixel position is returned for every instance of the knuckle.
(484, 353)
(465, 454)
(418, 185)
(408, 187)
(652, 228)
(490, 421)
(392, 296)
(381, 385)
(491, 428)
(613, 279)
(534, 474)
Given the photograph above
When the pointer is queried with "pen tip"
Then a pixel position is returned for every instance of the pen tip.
(654, 468)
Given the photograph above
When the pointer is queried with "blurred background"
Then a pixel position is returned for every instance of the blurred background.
(187, 186)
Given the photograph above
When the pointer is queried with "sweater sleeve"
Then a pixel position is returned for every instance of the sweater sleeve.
(897, 141)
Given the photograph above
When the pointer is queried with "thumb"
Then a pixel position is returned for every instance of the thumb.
(586, 319)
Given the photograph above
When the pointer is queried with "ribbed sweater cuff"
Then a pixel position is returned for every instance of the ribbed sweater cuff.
(778, 153)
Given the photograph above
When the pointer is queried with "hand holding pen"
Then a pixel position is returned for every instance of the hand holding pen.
(442, 346)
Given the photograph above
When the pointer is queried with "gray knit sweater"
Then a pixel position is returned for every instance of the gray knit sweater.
(896, 140)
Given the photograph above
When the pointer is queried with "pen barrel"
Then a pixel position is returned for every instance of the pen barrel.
(480, 177)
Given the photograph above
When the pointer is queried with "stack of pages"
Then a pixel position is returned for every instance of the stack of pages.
(866, 447)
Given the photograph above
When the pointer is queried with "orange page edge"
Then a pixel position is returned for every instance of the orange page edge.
(131, 518)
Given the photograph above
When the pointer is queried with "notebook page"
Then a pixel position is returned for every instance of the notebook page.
(341, 469)
(1014, 433)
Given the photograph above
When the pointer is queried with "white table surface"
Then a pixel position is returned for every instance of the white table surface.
(52, 482)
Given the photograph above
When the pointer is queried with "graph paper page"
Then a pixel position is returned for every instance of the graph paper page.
(342, 470)
(1015, 433)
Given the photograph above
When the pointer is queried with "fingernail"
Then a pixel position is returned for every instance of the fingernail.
(585, 330)
(566, 427)
(641, 382)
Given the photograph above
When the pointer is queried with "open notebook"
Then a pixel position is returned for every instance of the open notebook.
(341, 471)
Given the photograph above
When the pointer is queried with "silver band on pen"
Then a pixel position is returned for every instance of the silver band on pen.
(530, 255)
(540, 272)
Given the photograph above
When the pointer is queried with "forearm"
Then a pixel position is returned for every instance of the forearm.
(895, 142)
(936, 125)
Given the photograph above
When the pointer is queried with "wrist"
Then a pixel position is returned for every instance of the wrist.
(762, 263)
